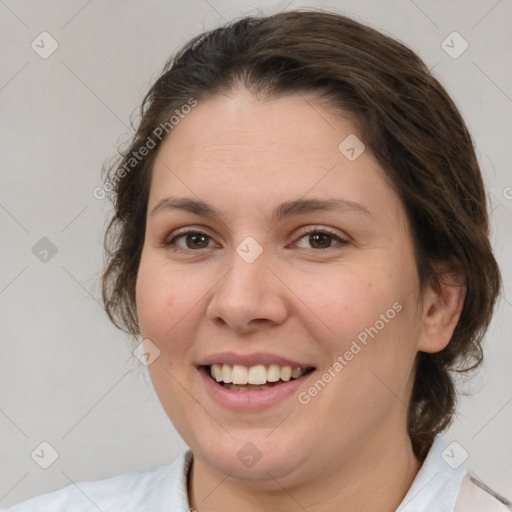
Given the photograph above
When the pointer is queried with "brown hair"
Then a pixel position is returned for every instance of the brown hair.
(406, 119)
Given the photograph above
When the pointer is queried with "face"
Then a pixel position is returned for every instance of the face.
(268, 250)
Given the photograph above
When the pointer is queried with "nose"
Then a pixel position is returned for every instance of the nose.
(249, 297)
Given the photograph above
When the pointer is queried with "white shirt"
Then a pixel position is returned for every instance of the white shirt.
(438, 487)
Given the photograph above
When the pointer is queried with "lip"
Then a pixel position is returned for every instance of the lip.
(251, 400)
(251, 360)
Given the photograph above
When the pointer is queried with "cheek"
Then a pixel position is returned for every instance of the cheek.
(366, 315)
(152, 297)
(345, 302)
(162, 305)
(162, 300)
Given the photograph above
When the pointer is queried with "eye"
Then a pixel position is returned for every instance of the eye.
(311, 238)
(192, 240)
(320, 239)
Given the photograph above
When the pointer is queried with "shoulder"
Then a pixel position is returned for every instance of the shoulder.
(445, 484)
(126, 491)
(476, 496)
(137, 491)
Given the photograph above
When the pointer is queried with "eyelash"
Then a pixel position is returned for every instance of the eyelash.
(303, 234)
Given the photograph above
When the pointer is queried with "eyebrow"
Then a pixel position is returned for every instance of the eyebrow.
(284, 210)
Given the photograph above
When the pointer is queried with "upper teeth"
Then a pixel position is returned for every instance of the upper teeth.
(259, 374)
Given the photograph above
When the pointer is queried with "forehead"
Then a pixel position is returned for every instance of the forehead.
(286, 123)
(240, 149)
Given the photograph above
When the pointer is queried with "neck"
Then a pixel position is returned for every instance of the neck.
(374, 476)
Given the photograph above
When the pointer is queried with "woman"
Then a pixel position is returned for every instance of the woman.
(301, 239)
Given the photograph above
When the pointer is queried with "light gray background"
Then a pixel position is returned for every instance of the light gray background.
(66, 375)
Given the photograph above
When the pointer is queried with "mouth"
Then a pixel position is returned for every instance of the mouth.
(254, 378)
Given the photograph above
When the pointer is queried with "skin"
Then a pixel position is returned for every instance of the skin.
(348, 448)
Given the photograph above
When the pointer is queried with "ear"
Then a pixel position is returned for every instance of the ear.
(442, 308)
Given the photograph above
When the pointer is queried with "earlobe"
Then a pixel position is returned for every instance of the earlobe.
(442, 309)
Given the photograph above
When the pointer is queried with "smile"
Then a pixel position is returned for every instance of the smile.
(254, 378)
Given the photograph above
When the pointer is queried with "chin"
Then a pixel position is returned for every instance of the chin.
(254, 457)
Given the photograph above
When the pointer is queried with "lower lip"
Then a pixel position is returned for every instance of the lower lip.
(259, 399)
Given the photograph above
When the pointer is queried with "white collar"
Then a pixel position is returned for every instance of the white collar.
(437, 484)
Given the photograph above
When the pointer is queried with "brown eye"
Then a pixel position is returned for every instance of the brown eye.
(193, 240)
(196, 241)
(319, 239)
